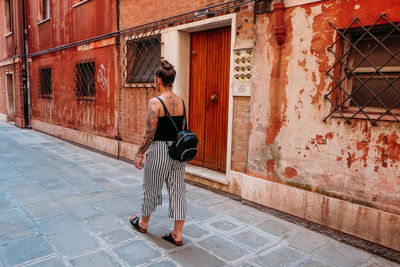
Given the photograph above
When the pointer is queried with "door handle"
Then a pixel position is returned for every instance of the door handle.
(214, 97)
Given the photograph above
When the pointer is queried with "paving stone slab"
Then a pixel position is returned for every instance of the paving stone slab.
(100, 196)
(193, 256)
(25, 250)
(162, 263)
(194, 231)
(85, 212)
(226, 207)
(12, 214)
(306, 240)
(17, 225)
(224, 248)
(342, 254)
(32, 199)
(313, 261)
(116, 207)
(52, 262)
(276, 227)
(25, 190)
(253, 240)
(44, 209)
(100, 258)
(377, 261)
(8, 204)
(4, 195)
(57, 224)
(16, 181)
(280, 256)
(18, 235)
(72, 201)
(136, 252)
(103, 223)
(72, 242)
(224, 225)
(117, 236)
(199, 213)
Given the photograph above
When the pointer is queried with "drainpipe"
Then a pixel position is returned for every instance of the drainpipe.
(25, 88)
(279, 29)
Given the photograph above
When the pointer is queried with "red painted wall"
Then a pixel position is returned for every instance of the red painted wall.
(69, 24)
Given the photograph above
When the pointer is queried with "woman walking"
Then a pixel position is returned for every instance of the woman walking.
(159, 166)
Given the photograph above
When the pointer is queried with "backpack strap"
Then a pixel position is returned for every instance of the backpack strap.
(184, 115)
(169, 116)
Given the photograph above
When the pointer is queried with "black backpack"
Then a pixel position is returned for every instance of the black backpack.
(184, 147)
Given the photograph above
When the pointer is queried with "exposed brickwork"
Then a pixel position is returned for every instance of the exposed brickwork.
(240, 133)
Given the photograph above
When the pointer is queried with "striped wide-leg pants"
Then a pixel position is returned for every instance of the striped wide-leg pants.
(160, 167)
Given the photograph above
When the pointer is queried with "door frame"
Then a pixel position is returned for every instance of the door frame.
(7, 93)
(175, 47)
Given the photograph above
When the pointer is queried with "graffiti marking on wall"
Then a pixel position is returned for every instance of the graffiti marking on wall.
(101, 78)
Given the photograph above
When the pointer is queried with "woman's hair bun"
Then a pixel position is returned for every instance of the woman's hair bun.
(166, 65)
(166, 73)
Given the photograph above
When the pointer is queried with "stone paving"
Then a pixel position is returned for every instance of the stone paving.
(62, 205)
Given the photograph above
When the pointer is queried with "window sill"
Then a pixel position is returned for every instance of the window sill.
(7, 34)
(139, 85)
(43, 21)
(361, 116)
(80, 3)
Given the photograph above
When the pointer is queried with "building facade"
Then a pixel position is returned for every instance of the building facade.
(73, 73)
(11, 57)
(296, 103)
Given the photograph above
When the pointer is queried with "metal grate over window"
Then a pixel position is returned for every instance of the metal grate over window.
(45, 82)
(142, 58)
(366, 74)
(85, 80)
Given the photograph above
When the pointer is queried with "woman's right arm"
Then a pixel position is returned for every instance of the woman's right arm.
(151, 128)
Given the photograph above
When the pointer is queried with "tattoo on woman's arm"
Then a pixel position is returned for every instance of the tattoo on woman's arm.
(151, 127)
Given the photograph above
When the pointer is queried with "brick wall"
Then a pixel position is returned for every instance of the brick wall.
(240, 133)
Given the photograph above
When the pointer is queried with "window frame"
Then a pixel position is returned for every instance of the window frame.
(78, 82)
(127, 82)
(40, 82)
(347, 110)
(44, 15)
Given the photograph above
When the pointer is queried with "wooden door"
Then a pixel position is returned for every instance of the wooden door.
(10, 98)
(209, 95)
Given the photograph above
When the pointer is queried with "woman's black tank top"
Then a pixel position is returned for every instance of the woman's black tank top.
(165, 130)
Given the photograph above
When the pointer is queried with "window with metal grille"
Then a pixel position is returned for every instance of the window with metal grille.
(368, 86)
(142, 58)
(85, 80)
(45, 82)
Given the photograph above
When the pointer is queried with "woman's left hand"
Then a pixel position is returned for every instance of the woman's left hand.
(139, 161)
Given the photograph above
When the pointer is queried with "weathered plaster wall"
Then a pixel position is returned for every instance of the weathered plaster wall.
(98, 117)
(289, 142)
(69, 24)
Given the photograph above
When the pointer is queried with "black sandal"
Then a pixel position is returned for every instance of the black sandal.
(169, 238)
(134, 220)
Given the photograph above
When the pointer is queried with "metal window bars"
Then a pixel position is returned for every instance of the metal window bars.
(85, 80)
(45, 82)
(360, 76)
(142, 57)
